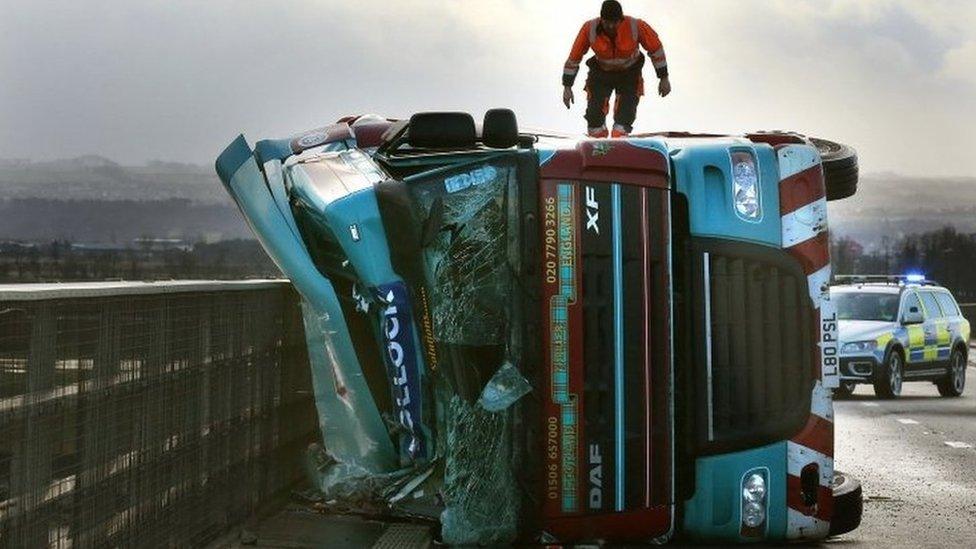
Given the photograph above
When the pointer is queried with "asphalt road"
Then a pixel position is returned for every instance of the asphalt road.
(916, 459)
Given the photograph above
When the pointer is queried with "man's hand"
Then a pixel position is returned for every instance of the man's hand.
(568, 96)
(664, 87)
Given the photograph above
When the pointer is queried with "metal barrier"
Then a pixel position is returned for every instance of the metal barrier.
(147, 414)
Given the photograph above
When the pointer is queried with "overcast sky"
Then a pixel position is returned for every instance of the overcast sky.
(136, 80)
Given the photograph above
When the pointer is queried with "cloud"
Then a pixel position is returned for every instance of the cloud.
(177, 79)
(960, 63)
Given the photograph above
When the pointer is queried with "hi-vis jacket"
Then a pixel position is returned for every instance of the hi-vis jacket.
(619, 53)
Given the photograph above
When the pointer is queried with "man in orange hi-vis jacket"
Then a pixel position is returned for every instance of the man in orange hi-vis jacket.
(615, 67)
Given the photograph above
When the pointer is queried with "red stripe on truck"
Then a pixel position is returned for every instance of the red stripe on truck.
(801, 189)
(817, 435)
(813, 253)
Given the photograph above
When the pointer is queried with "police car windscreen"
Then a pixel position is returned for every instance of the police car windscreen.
(866, 306)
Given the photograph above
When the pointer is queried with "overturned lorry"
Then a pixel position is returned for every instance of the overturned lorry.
(530, 337)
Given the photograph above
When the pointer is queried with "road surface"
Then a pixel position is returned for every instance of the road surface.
(916, 459)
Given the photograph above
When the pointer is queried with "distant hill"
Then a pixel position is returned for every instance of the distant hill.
(106, 201)
(98, 178)
(83, 219)
(894, 205)
(93, 199)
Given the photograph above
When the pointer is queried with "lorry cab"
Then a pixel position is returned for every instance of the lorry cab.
(606, 339)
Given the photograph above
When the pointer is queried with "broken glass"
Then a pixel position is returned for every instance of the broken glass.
(465, 249)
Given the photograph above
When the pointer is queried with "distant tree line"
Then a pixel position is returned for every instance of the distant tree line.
(944, 255)
(118, 221)
(61, 260)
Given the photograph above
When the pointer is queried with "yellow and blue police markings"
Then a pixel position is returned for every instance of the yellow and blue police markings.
(943, 340)
(921, 345)
(932, 345)
(917, 347)
(883, 340)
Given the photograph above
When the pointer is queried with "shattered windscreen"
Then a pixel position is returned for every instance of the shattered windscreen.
(469, 247)
(465, 233)
(469, 242)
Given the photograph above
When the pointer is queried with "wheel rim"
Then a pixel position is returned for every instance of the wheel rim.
(959, 373)
(895, 375)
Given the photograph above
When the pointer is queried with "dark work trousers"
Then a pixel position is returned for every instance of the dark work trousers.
(628, 85)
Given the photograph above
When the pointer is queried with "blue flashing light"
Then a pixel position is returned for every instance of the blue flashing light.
(914, 277)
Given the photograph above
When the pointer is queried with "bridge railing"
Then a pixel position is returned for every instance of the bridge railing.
(147, 414)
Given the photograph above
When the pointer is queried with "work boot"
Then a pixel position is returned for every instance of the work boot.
(597, 132)
(619, 131)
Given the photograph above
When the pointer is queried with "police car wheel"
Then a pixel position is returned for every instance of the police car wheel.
(887, 381)
(848, 505)
(839, 167)
(845, 389)
(955, 381)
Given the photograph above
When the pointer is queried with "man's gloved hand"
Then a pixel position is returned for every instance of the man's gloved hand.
(664, 87)
(568, 96)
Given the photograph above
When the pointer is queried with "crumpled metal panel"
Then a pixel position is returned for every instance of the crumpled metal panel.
(340, 393)
(342, 396)
(466, 263)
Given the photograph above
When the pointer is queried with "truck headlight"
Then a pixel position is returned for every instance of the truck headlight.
(755, 496)
(753, 515)
(754, 488)
(859, 347)
(746, 194)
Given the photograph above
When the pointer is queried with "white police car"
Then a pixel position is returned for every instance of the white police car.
(894, 329)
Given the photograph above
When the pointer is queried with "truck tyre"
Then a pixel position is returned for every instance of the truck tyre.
(847, 504)
(953, 384)
(839, 167)
(888, 378)
(845, 389)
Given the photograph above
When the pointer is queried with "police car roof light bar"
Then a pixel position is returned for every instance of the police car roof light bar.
(900, 280)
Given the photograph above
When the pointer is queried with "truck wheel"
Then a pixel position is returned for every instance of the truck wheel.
(839, 167)
(887, 380)
(953, 384)
(847, 504)
(845, 389)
